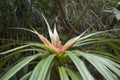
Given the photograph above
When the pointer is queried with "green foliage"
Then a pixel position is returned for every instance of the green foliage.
(18, 66)
(95, 56)
(82, 69)
(107, 65)
(63, 74)
(115, 11)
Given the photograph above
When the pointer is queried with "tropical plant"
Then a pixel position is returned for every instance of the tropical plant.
(53, 60)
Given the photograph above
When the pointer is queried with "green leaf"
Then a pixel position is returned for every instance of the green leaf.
(36, 70)
(74, 75)
(48, 26)
(108, 11)
(80, 66)
(96, 33)
(110, 64)
(42, 46)
(118, 3)
(26, 76)
(117, 13)
(42, 69)
(9, 56)
(17, 48)
(113, 63)
(118, 16)
(18, 66)
(27, 45)
(63, 74)
(98, 63)
(103, 53)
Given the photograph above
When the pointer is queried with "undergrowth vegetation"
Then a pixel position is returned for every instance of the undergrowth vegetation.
(31, 48)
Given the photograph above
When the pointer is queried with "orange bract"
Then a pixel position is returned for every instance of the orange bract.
(55, 43)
